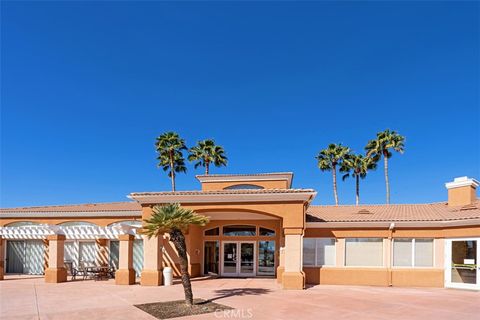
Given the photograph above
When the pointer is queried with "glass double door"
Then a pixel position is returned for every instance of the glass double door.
(238, 259)
(462, 267)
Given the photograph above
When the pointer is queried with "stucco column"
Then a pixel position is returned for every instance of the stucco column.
(293, 276)
(56, 271)
(152, 261)
(125, 273)
(2, 258)
(281, 264)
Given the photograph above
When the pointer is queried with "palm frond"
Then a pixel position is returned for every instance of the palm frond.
(168, 217)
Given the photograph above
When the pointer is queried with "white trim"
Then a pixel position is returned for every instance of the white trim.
(78, 232)
(462, 182)
(69, 214)
(448, 266)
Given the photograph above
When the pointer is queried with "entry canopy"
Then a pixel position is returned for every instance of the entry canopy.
(41, 231)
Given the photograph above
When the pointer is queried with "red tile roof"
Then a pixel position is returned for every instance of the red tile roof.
(391, 213)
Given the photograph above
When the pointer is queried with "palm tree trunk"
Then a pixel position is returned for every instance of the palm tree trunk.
(357, 189)
(334, 173)
(207, 166)
(387, 184)
(178, 239)
(172, 171)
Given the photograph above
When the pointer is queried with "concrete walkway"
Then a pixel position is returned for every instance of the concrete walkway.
(31, 298)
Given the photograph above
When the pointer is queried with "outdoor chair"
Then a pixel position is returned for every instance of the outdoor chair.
(70, 269)
(112, 271)
(83, 270)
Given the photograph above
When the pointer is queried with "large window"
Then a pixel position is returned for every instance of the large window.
(318, 252)
(364, 252)
(212, 232)
(266, 258)
(413, 252)
(239, 231)
(266, 232)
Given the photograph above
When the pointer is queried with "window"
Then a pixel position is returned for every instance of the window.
(309, 251)
(239, 231)
(210, 260)
(267, 232)
(243, 186)
(213, 232)
(318, 252)
(22, 224)
(364, 252)
(266, 258)
(413, 252)
(77, 223)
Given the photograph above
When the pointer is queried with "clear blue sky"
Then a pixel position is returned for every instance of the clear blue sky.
(86, 88)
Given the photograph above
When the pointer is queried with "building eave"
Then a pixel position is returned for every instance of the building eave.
(306, 196)
(398, 224)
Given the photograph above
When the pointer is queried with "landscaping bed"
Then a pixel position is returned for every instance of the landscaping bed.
(178, 308)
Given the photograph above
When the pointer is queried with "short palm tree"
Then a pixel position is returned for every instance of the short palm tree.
(329, 159)
(175, 220)
(170, 154)
(357, 166)
(385, 142)
(206, 152)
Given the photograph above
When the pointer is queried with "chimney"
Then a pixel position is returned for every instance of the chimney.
(462, 191)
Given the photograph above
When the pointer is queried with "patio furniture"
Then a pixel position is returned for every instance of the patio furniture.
(112, 272)
(71, 271)
(99, 272)
(85, 269)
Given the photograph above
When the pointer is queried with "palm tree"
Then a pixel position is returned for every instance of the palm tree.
(170, 154)
(175, 220)
(359, 167)
(329, 159)
(206, 152)
(382, 146)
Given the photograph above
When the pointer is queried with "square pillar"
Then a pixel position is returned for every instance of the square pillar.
(293, 276)
(125, 274)
(152, 261)
(281, 265)
(56, 271)
(2, 258)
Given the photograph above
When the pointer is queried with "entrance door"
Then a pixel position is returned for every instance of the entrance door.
(238, 259)
(462, 268)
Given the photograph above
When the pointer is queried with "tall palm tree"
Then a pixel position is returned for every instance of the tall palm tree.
(359, 167)
(382, 146)
(329, 159)
(170, 154)
(206, 152)
(175, 220)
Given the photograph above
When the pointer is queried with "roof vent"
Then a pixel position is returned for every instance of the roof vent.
(364, 211)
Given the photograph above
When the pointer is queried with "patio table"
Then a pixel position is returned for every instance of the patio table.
(99, 272)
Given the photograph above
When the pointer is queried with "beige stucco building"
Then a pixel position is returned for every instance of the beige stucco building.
(259, 227)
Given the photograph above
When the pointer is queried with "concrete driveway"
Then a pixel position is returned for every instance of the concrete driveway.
(31, 298)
